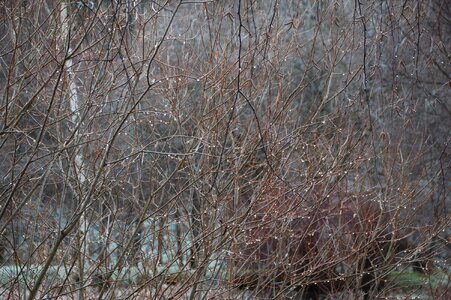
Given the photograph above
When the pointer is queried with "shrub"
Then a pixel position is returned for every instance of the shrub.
(318, 245)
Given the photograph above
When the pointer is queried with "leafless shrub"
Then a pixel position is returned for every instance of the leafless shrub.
(223, 149)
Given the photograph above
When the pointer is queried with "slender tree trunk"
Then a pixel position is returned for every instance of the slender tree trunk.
(74, 103)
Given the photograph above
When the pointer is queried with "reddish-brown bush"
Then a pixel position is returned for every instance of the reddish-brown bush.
(318, 244)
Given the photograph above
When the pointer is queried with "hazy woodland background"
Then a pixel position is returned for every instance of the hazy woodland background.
(223, 149)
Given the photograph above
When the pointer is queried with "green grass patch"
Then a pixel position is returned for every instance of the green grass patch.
(415, 279)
